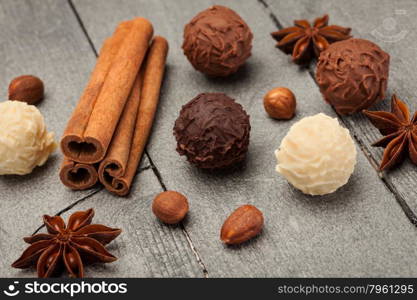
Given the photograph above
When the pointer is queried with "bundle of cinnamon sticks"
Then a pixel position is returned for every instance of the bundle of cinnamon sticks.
(108, 130)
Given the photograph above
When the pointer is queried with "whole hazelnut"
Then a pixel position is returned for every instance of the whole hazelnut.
(26, 88)
(280, 103)
(170, 207)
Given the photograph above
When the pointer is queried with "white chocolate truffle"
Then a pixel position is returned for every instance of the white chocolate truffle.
(24, 140)
(317, 155)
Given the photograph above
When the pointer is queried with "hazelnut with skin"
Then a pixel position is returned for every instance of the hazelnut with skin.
(170, 207)
(26, 88)
(280, 103)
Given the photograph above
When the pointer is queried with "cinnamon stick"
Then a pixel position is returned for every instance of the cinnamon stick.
(78, 176)
(81, 115)
(90, 130)
(117, 177)
(117, 157)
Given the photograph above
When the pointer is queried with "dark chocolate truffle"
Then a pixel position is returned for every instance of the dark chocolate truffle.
(352, 75)
(212, 131)
(217, 41)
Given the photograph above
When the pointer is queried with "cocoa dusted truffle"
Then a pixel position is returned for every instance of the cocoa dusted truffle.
(217, 41)
(212, 131)
(352, 75)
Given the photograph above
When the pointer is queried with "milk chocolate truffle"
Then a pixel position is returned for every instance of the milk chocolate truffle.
(317, 156)
(352, 75)
(217, 41)
(212, 131)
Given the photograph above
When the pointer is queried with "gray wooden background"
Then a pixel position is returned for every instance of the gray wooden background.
(367, 228)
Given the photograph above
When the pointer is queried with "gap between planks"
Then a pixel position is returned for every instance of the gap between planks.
(400, 200)
(94, 191)
(151, 166)
(404, 206)
(388, 184)
(184, 230)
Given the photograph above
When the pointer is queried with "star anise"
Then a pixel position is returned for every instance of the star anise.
(68, 247)
(305, 41)
(400, 133)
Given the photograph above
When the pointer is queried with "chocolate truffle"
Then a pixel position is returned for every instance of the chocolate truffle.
(352, 75)
(24, 141)
(212, 131)
(217, 41)
(317, 156)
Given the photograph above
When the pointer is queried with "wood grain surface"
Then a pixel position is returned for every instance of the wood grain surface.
(45, 38)
(392, 25)
(364, 229)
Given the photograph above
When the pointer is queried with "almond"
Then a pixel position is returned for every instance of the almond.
(243, 224)
(170, 207)
(26, 88)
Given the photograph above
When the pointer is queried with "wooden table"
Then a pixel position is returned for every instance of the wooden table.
(367, 228)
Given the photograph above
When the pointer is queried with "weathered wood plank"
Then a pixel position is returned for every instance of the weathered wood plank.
(44, 38)
(41, 38)
(146, 247)
(373, 20)
(358, 231)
